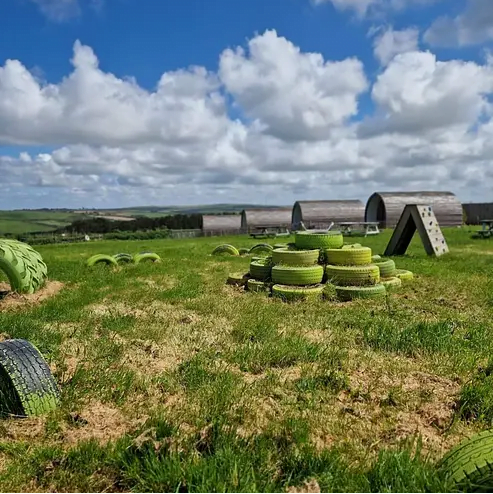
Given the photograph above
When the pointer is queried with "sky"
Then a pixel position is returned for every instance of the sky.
(118, 103)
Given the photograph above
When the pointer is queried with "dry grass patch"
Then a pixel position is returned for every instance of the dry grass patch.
(158, 281)
(101, 422)
(10, 300)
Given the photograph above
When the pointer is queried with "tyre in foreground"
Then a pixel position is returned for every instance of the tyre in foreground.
(27, 387)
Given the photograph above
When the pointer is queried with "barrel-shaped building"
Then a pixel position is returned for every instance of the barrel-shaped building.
(320, 214)
(386, 207)
(221, 224)
(254, 219)
(474, 213)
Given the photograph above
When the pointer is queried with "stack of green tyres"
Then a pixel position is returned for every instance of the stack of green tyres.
(318, 265)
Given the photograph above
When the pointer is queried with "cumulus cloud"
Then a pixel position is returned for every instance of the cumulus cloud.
(389, 43)
(186, 104)
(294, 95)
(419, 95)
(300, 134)
(473, 26)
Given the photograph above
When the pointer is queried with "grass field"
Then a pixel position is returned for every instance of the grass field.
(173, 381)
(16, 222)
(26, 221)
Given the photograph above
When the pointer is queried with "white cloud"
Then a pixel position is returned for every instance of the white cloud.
(295, 95)
(417, 94)
(473, 26)
(390, 43)
(116, 143)
(65, 10)
(58, 10)
(186, 104)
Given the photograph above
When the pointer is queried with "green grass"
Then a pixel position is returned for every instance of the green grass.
(173, 381)
(16, 222)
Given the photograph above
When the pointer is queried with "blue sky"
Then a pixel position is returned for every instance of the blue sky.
(292, 140)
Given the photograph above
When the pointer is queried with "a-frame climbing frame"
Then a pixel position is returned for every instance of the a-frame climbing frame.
(422, 218)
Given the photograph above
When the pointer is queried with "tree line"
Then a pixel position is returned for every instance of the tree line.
(141, 223)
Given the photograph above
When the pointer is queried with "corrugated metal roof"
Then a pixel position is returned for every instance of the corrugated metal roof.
(477, 212)
(221, 222)
(319, 214)
(387, 207)
(273, 217)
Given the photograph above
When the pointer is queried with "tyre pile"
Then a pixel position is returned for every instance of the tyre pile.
(122, 258)
(318, 265)
(23, 266)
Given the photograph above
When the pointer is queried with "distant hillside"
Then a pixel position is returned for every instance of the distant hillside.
(46, 220)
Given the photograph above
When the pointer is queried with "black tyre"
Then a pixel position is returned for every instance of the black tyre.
(27, 386)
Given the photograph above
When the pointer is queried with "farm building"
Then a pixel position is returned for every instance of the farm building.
(387, 207)
(320, 214)
(252, 219)
(220, 224)
(474, 213)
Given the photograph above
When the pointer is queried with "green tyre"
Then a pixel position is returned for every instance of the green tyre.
(101, 259)
(260, 249)
(355, 256)
(289, 293)
(351, 246)
(146, 256)
(27, 387)
(280, 246)
(347, 293)
(290, 257)
(318, 239)
(243, 251)
(376, 257)
(123, 258)
(18, 268)
(297, 275)
(225, 249)
(391, 283)
(237, 279)
(469, 465)
(404, 274)
(261, 270)
(352, 275)
(387, 268)
(257, 286)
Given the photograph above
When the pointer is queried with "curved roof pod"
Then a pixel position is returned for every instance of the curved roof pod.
(387, 207)
(319, 214)
(265, 218)
(221, 223)
(474, 213)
